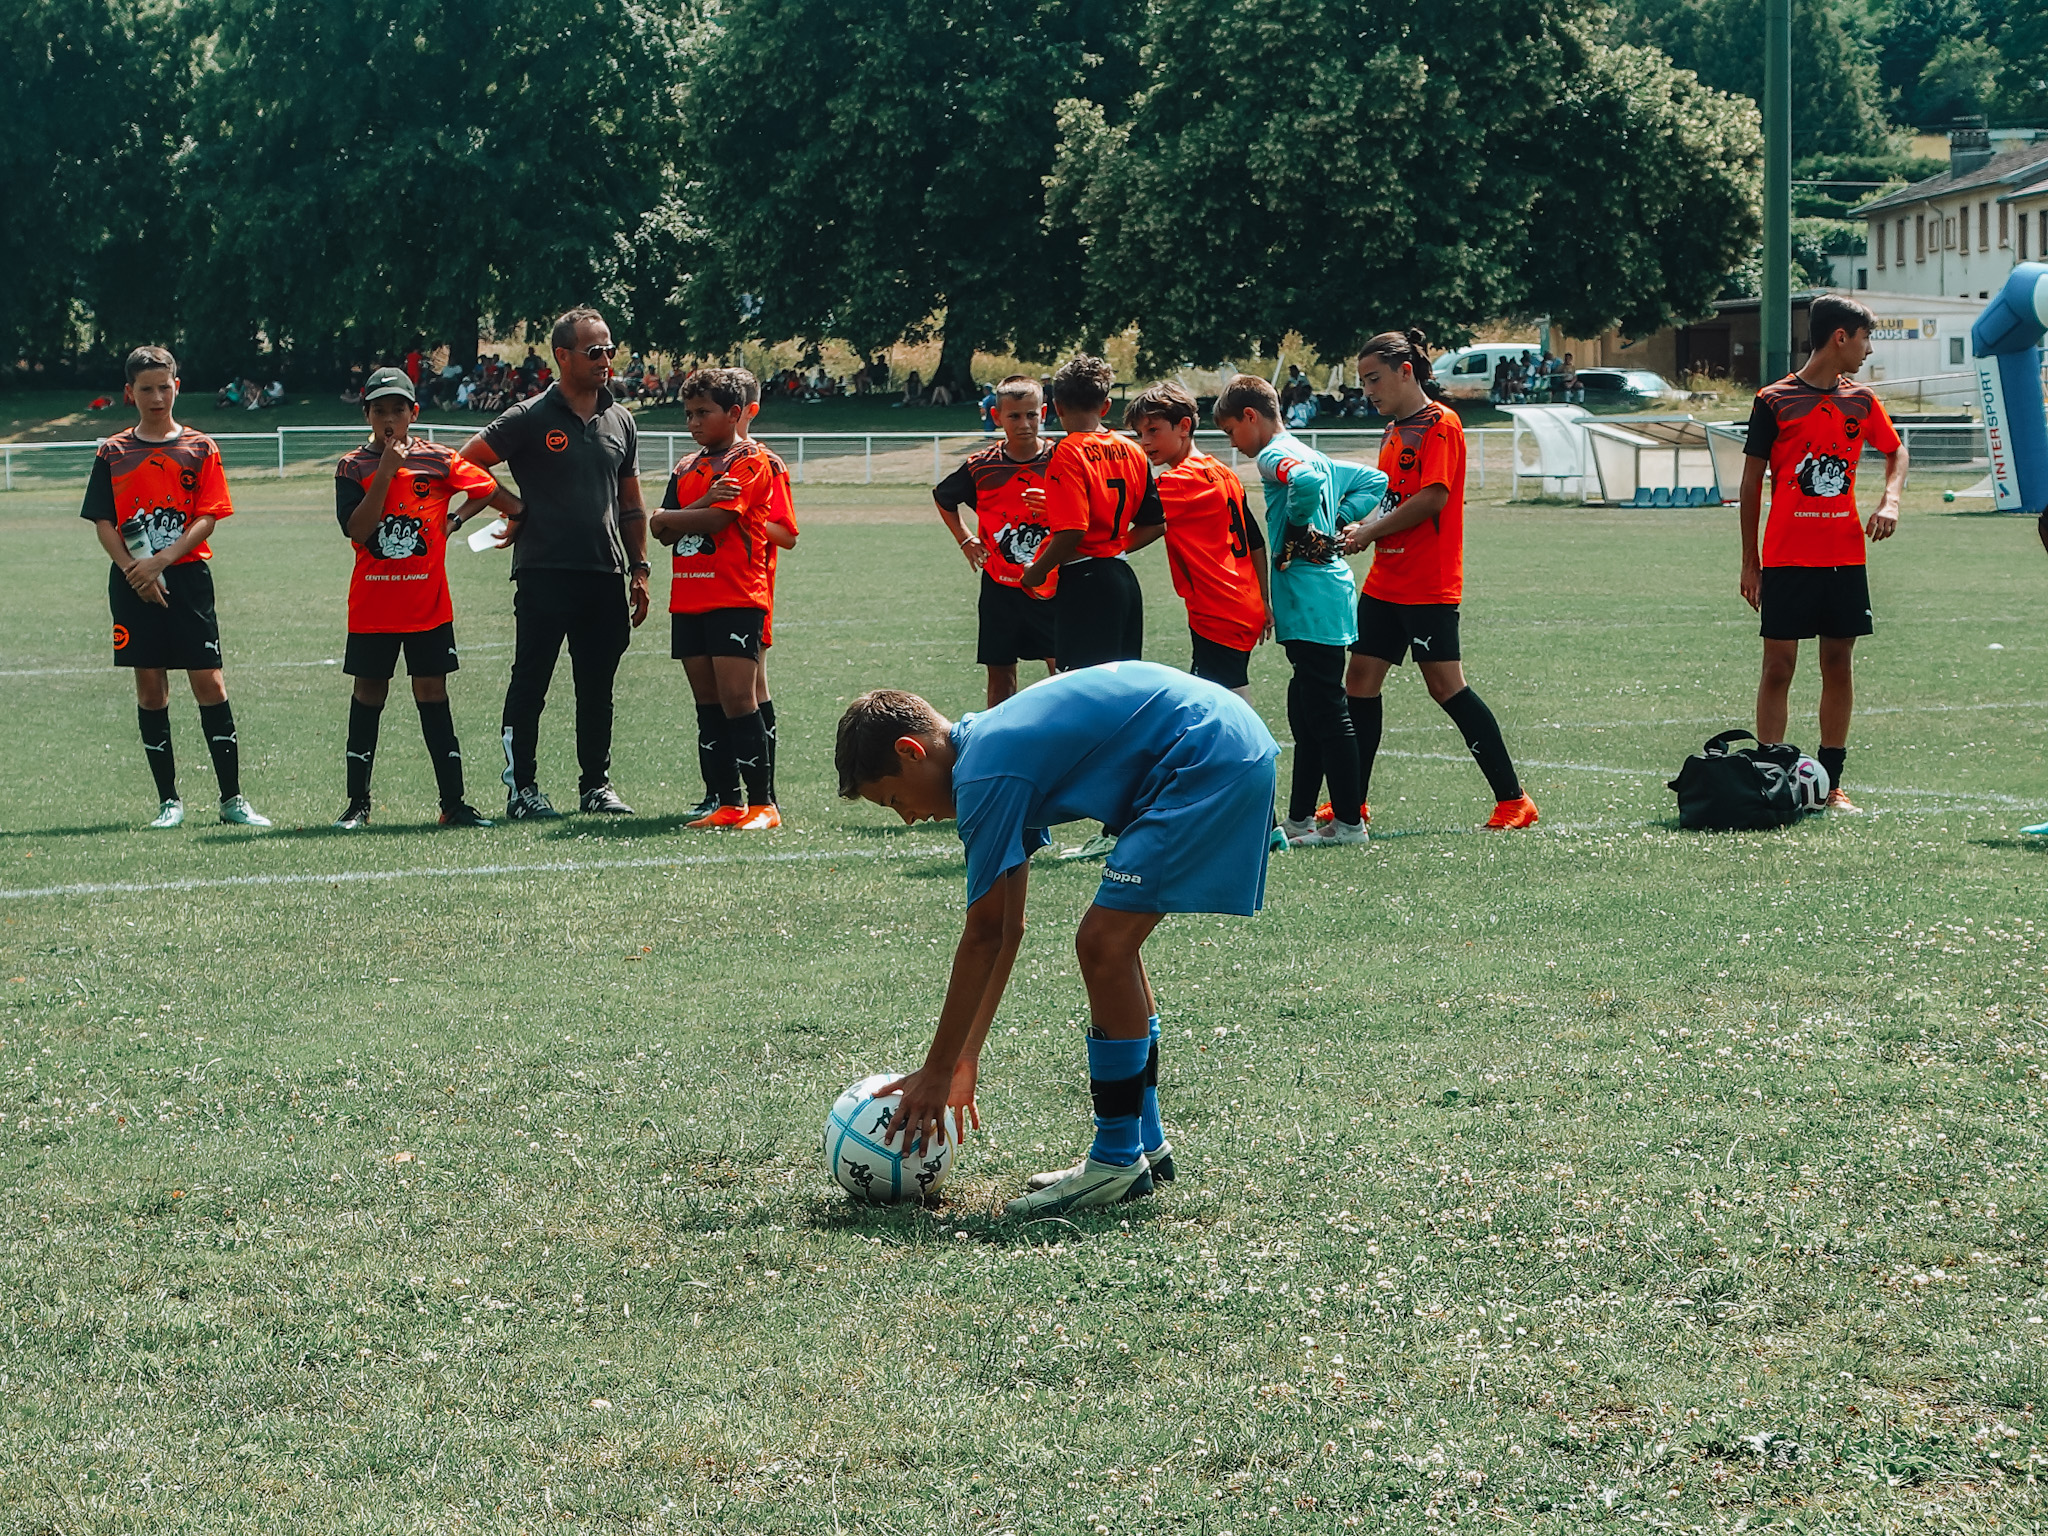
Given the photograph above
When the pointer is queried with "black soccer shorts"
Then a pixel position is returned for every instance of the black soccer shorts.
(1014, 626)
(1224, 665)
(1393, 631)
(428, 653)
(717, 632)
(1799, 602)
(1098, 614)
(181, 637)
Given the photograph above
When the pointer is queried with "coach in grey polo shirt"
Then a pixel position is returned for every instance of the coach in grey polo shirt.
(579, 558)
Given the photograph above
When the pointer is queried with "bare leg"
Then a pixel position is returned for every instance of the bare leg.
(1774, 691)
(1119, 994)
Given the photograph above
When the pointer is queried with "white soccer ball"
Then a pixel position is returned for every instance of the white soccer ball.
(1810, 784)
(870, 1168)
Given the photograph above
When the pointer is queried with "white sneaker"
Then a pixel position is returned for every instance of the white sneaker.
(1100, 846)
(1159, 1158)
(1336, 834)
(236, 811)
(1083, 1187)
(170, 814)
(1302, 834)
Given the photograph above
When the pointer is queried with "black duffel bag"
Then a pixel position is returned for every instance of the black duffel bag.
(1724, 791)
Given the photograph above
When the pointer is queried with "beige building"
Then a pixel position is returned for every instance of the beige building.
(1958, 235)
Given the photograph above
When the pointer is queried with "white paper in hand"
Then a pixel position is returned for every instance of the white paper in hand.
(487, 538)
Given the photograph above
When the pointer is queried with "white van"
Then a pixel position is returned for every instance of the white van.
(1467, 374)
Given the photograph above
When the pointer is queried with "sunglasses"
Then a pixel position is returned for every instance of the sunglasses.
(598, 350)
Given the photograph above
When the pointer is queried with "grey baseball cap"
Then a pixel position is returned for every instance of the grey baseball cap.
(388, 381)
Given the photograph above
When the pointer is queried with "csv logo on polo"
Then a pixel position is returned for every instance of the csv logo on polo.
(1121, 878)
(557, 441)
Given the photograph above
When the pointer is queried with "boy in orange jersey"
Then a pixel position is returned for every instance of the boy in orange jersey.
(391, 496)
(1214, 549)
(1409, 603)
(782, 534)
(156, 492)
(1098, 486)
(719, 594)
(993, 482)
(1809, 580)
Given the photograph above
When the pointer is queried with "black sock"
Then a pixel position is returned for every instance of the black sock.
(437, 725)
(714, 756)
(1831, 760)
(156, 746)
(1366, 718)
(218, 722)
(747, 739)
(362, 746)
(1481, 731)
(768, 722)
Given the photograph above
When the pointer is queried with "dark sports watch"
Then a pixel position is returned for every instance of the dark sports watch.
(639, 568)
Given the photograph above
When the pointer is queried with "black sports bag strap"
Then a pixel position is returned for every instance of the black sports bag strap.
(1717, 746)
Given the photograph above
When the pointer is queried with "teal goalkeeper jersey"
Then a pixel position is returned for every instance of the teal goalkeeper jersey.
(1315, 601)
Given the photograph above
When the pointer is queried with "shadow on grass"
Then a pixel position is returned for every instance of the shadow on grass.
(326, 832)
(2037, 845)
(618, 829)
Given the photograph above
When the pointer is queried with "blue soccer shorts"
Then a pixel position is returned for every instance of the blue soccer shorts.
(1199, 851)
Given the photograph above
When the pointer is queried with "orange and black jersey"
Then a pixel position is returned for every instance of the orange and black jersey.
(1812, 438)
(993, 484)
(730, 568)
(1101, 484)
(165, 485)
(1426, 564)
(1212, 549)
(400, 582)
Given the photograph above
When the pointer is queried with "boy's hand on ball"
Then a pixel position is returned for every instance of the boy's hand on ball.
(966, 1113)
(921, 1116)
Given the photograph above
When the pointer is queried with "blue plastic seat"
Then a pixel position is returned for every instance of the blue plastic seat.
(1643, 495)
(1662, 496)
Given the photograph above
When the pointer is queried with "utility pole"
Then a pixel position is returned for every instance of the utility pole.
(1775, 340)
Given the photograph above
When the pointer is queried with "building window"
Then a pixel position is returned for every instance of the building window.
(1863, 277)
(1919, 237)
(2022, 233)
(1955, 351)
(1948, 234)
(1877, 244)
(2042, 244)
(1983, 226)
(2004, 229)
(1899, 250)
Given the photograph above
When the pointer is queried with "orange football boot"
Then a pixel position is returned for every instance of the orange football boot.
(1327, 812)
(759, 818)
(724, 816)
(1513, 813)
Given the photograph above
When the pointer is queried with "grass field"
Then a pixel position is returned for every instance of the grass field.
(425, 1181)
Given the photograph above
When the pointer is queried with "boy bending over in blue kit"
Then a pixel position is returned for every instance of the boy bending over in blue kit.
(1180, 768)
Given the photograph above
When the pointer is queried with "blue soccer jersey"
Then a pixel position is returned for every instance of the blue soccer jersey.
(1312, 600)
(1180, 769)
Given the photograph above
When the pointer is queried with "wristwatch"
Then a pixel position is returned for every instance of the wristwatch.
(640, 568)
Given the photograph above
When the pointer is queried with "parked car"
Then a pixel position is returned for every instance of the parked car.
(1625, 387)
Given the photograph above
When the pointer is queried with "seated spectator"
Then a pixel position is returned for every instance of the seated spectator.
(940, 394)
(913, 389)
(273, 393)
(1568, 379)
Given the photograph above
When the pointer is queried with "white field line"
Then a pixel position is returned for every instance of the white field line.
(444, 872)
(253, 666)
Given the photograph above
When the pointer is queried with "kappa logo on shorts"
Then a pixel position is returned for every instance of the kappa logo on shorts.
(1122, 878)
(120, 637)
(557, 440)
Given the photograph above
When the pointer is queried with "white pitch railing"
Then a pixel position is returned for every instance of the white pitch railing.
(840, 458)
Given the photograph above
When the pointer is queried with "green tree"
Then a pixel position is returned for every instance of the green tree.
(1961, 80)
(1651, 196)
(2023, 82)
(861, 168)
(380, 170)
(1322, 166)
(92, 98)
(1837, 99)
(1908, 43)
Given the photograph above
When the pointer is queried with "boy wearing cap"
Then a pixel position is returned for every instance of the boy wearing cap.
(391, 497)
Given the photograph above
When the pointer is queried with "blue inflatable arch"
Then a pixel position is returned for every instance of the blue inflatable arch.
(2006, 343)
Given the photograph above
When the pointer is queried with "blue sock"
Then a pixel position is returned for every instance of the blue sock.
(1116, 1082)
(1150, 1131)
